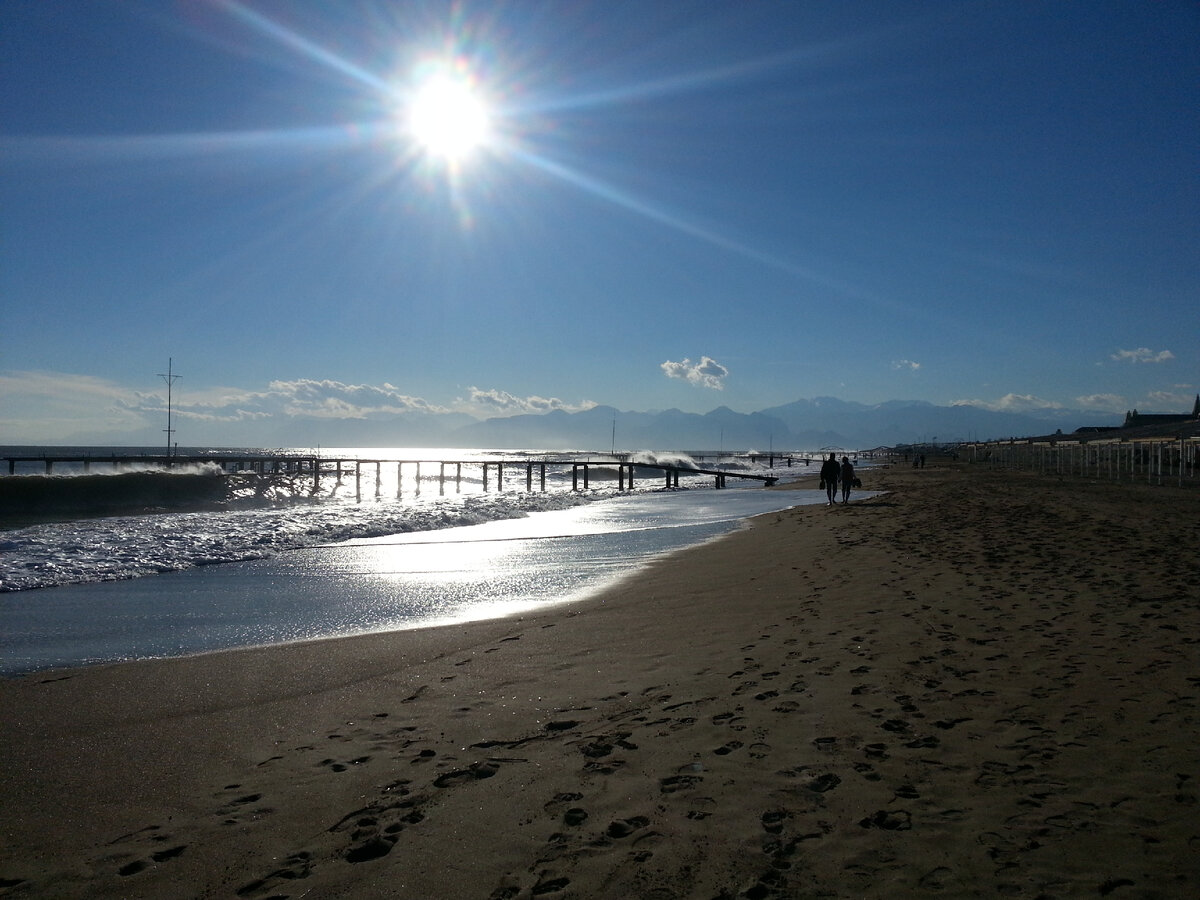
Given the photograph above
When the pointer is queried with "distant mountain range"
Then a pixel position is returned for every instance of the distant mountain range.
(801, 425)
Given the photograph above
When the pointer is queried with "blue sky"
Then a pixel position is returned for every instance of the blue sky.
(677, 205)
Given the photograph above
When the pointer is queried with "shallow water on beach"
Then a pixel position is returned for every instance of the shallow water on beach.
(370, 584)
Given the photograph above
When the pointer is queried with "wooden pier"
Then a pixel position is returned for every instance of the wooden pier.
(294, 468)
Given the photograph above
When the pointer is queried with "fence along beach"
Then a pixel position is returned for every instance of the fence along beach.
(982, 683)
(1153, 460)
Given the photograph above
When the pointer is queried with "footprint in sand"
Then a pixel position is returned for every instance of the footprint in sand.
(298, 865)
(234, 808)
(375, 829)
(474, 772)
(550, 886)
(575, 816)
(139, 865)
(824, 783)
(565, 797)
(621, 828)
(372, 848)
(773, 819)
(923, 743)
(888, 820)
(342, 765)
(674, 783)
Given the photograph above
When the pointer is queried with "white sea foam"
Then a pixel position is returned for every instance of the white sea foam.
(110, 549)
(363, 502)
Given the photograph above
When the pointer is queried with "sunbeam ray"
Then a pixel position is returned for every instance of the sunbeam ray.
(723, 76)
(624, 200)
(134, 147)
(303, 45)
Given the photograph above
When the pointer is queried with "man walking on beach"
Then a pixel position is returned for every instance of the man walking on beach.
(829, 478)
(847, 476)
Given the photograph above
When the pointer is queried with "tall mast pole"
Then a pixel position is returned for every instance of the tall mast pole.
(169, 378)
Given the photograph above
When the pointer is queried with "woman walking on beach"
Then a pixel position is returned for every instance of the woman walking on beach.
(847, 476)
(829, 478)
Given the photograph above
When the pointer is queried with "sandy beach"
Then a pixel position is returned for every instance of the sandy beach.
(979, 684)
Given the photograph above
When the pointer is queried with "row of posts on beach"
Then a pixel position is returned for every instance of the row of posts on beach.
(1151, 461)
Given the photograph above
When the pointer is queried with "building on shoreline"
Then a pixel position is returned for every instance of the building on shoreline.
(1134, 419)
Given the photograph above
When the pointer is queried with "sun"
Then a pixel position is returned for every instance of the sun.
(448, 117)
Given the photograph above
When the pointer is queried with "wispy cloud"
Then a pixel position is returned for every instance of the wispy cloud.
(1168, 401)
(303, 397)
(906, 364)
(39, 407)
(335, 399)
(1143, 355)
(1103, 402)
(707, 373)
(502, 403)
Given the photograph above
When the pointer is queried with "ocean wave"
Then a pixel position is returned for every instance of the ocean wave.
(83, 527)
(122, 547)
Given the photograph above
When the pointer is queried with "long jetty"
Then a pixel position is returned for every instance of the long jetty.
(300, 466)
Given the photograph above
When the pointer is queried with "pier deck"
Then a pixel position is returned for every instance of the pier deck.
(315, 467)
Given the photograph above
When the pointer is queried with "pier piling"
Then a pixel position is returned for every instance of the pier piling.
(292, 469)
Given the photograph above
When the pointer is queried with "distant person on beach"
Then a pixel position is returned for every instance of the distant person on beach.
(847, 476)
(829, 477)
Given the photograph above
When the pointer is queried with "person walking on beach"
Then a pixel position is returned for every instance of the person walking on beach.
(829, 477)
(847, 476)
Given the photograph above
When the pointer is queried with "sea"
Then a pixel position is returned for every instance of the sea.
(375, 543)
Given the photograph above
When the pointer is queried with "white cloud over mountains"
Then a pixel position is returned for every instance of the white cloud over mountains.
(707, 373)
(1103, 402)
(502, 403)
(1012, 403)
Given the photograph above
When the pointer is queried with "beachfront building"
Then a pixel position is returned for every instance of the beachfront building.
(1134, 419)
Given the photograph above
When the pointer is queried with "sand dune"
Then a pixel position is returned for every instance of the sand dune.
(979, 684)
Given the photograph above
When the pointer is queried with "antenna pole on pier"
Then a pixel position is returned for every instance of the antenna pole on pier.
(169, 378)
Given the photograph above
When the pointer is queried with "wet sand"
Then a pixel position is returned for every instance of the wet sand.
(980, 684)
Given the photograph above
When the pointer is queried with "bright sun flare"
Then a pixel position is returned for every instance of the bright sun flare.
(448, 118)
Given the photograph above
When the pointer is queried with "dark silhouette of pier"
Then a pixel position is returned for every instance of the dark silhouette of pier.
(532, 471)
